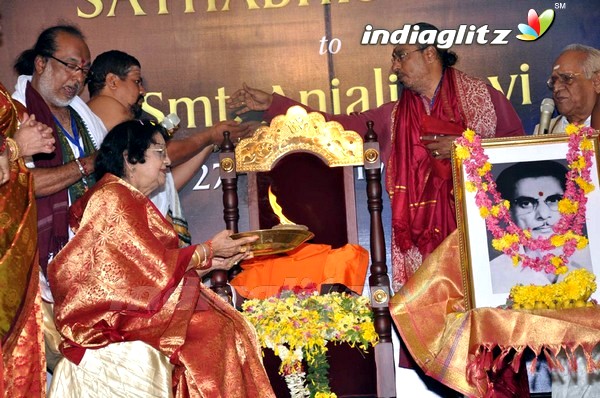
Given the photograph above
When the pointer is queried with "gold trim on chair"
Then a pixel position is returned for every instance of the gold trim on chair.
(299, 131)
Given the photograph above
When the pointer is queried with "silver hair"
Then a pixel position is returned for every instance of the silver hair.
(591, 64)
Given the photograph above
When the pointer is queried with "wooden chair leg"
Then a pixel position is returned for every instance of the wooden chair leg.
(379, 281)
(231, 215)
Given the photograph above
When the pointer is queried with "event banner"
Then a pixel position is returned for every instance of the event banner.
(333, 55)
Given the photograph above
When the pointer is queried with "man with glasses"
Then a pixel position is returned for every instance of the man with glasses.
(52, 74)
(438, 102)
(533, 190)
(575, 86)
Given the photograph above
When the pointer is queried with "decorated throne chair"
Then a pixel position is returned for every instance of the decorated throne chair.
(304, 167)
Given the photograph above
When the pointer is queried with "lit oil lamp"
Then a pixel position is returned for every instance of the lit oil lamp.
(284, 222)
(282, 237)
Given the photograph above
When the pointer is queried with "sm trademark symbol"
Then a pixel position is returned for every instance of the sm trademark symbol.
(560, 6)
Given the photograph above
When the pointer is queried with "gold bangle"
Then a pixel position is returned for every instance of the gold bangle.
(13, 149)
(207, 263)
(195, 259)
(203, 264)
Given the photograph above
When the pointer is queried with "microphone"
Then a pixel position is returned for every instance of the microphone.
(546, 110)
(171, 123)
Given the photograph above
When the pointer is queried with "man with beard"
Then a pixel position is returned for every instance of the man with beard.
(117, 93)
(52, 73)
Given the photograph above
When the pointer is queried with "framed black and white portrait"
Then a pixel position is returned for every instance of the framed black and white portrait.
(530, 173)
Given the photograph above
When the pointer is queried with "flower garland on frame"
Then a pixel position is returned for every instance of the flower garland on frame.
(298, 323)
(509, 238)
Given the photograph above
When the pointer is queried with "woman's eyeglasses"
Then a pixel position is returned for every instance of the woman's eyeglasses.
(162, 152)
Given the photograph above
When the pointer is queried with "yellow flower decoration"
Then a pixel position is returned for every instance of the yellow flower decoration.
(557, 262)
(586, 144)
(583, 184)
(462, 152)
(582, 242)
(495, 210)
(484, 169)
(484, 212)
(567, 206)
(575, 289)
(325, 395)
(572, 128)
(558, 240)
(505, 242)
(469, 135)
(578, 164)
(469, 186)
(298, 327)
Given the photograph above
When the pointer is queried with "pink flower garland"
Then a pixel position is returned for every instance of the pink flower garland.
(508, 237)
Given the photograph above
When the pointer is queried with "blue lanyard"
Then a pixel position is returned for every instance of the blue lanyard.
(73, 139)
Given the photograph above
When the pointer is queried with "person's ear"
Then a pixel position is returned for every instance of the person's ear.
(39, 64)
(596, 81)
(112, 80)
(430, 54)
(129, 168)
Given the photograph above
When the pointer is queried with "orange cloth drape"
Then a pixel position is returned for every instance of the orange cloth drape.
(123, 278)
(455, 346)
(21, 348)
(309, 264)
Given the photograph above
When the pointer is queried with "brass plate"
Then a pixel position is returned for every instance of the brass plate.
(273, 241)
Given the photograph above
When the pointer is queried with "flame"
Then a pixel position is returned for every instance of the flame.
(277, 209)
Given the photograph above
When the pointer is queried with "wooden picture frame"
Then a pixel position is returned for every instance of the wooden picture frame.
(477, 255)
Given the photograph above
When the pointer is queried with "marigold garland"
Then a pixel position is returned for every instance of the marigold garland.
(507, 236)
(297, 325)
(573, 291)
(578, 286)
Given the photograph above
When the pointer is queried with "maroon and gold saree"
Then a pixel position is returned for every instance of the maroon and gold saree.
(123, 278)
(21, 341)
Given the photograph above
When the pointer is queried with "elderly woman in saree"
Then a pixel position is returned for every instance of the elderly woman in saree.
(124, 278)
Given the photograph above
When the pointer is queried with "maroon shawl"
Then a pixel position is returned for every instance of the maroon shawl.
(52, 209)
(420, 186)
